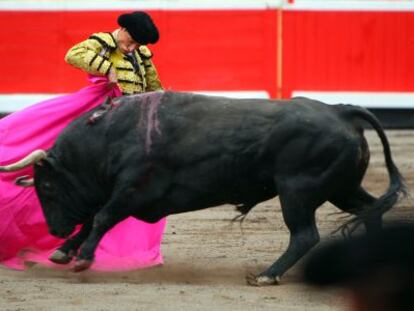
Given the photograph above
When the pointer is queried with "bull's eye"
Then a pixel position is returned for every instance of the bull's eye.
(47, 186)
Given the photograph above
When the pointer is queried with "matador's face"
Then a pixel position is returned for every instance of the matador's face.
(125, 42)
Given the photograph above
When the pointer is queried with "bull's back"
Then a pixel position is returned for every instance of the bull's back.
(171, 122)
(186, 123)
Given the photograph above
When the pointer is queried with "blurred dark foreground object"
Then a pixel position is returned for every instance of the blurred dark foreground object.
(377, 269)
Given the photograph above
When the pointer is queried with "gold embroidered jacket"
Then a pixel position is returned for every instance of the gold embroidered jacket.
(98, 54)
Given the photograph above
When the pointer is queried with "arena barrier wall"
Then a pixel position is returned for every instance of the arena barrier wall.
(338, 51)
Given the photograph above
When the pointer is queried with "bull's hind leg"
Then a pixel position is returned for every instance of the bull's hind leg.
(69, 249)
(356, 203)
(298, 208)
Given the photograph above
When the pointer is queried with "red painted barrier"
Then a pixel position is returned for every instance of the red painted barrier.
(348, 51)
(224, 50)
(198, 50)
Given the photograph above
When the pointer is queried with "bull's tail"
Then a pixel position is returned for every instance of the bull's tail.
(397, 188)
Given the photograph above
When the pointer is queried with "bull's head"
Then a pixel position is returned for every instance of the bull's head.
(50, 189)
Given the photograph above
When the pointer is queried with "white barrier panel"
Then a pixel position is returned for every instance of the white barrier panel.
(14, 102)
(387, 100)
(350, 5)
(384, 100)
(82, 5)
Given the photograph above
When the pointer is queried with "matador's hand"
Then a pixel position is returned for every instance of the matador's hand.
(112, 76)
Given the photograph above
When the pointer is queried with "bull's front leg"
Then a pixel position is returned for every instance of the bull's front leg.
(103, 221)
(69, 249)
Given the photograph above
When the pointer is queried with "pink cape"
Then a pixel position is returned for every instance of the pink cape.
(24, 234)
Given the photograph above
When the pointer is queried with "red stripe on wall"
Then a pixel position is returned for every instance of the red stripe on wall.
(352, 51)
(198, 50)
(216, 50)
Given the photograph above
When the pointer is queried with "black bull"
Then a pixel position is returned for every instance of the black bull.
(158, 154)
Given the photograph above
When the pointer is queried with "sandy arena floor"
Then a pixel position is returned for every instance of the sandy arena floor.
(207, 259)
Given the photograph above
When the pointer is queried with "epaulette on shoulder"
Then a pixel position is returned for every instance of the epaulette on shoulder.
(106, 39)
(145, 51)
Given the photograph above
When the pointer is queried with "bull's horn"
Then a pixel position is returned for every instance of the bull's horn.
(32, 158)
(24, 181)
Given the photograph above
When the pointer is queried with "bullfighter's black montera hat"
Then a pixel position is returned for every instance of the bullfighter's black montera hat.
(140, 26)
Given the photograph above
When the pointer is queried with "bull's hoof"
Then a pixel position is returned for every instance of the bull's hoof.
(60, 257)
(82, 264)
(262, 280)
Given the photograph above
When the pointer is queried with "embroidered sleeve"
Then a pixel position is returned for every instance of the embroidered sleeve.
(152, 79)
(89, 55)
